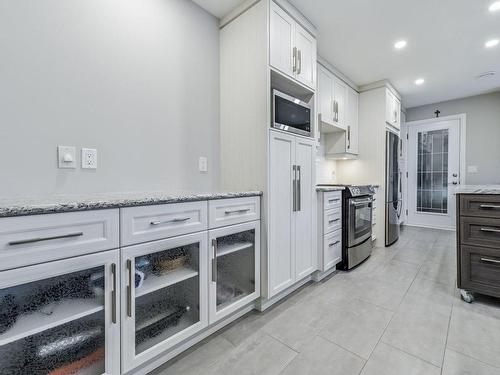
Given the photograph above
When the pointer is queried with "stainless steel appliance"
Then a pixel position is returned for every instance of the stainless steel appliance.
(357, 207)
(291, 114)
(393, 189)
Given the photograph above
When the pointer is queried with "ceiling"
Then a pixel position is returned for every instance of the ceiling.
(445, 43)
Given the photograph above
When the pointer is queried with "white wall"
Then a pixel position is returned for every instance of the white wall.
(326, 168)
(136, 79)
(483, 132)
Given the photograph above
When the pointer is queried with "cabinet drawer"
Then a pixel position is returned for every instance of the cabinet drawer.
(332, 249)
(332, 220)
(332, 199)
(477, 231)
(480, 205)
(480, 270)
(149, 223)
(27, 240)
(224, 212)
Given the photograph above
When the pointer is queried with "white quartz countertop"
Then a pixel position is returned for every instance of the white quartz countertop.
(477, 189)
(69, 203)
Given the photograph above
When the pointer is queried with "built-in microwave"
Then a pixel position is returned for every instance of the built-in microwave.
(291, 114)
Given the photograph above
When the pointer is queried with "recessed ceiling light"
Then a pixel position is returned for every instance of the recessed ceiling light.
(491, 43)
(495, 6)
(400, 44)
(419, 81)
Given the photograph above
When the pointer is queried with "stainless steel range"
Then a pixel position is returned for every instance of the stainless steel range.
(357, 206)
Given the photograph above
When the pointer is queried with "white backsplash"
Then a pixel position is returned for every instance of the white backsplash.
(325, 168)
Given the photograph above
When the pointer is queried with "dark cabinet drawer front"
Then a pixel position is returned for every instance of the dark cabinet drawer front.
(480, 205)
(476, 231)
(480, 270)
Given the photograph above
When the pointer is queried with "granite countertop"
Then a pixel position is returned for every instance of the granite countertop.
(69, 203)
(477, 189)
(329, 188)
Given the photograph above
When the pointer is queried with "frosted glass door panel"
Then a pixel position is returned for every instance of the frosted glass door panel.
(167, 294)
(55, 325)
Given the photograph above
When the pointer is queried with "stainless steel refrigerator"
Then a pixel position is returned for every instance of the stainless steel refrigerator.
(393, 188)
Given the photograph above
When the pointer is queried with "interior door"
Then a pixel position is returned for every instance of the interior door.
(234, 273)
(165, 297)
(306, 50)
(305, 254)
(281, 260)
(433, 170)
(325, 92)
(61, 317)
(281, 40)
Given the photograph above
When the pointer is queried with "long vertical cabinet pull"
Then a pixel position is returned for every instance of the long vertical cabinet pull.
(294, 188)
(299, 56)
(299, 203)
(294, 58)
(113, 294)
(214, 260)
(129, 288)
(349, 136)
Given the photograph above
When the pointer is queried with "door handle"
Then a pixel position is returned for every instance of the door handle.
(333, 243)
(299, 198)
(299, 56)
(113, 294)
(129, 288)
(294, 188)
(214, 260)
(488, 260)
(294, 60)
(490, 230)
(242, 211)
(489, 207)
(349, 137)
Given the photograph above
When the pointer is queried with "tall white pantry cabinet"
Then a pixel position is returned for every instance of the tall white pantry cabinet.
(268, 45)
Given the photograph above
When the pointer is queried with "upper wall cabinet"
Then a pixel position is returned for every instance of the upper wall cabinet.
(392, 110)
(332, 94)
(292, 49)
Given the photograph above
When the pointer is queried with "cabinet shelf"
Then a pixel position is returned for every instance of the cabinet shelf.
(228, 248)
(62, 313)
(153, 283)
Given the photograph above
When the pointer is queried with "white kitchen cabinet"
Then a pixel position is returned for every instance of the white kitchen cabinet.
(234, 270)
(165, 296)
(61, 316)
(291, 254)
(329, 229)
(292, 48)
(393, 110)
(333, 95)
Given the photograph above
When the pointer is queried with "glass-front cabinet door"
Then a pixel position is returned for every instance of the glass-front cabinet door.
(61, 317)
(235, 268)
(164, 299)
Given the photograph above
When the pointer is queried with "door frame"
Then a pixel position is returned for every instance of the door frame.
(462, 125)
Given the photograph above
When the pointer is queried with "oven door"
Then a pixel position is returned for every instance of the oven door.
(360, 220)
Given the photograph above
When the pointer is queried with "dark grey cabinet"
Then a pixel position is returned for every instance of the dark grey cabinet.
(478, 244)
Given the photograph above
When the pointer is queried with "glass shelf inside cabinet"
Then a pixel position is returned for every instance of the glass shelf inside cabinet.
(54, 326)
(235, 267)
(167, 294)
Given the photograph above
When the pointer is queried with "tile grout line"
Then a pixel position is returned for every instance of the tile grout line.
(411, 355)
(447, 335)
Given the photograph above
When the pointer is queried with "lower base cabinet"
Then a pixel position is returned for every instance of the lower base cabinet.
(61, 317)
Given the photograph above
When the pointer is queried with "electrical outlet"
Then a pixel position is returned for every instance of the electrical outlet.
(203, 164)
(66, 157)
(89, 158)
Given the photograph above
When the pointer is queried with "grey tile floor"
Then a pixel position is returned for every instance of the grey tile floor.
(399, 313)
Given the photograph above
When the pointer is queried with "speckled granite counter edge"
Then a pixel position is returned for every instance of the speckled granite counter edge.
(329, 188)
(102, 204)
(477, 189)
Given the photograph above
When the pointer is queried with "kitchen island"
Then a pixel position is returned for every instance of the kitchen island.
(478, 240)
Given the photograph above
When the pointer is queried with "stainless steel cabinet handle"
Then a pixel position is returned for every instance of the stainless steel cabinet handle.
(129, 288)
(294, 63)
(243, 210)
(40, 239)
(333, 221)
(334, 200)
(294, 188)
(299, 55)
(113, 294)
(333, 109)
(349, 136)
(488, 260)
(491, 230)
(489, 207)
(299, 197)
(176, 220)
(333, 243)
(214, 260)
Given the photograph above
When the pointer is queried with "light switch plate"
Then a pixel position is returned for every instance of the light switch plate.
(203, 164)
(66, 157)
(89, 158)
